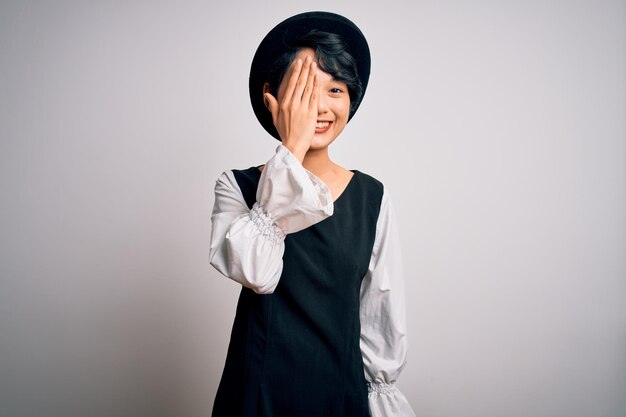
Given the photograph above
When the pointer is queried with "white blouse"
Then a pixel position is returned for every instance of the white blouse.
(248, 245)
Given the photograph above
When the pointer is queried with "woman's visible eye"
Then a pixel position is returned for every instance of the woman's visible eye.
(336, 90)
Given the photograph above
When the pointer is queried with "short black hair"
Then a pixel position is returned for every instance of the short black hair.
(332, 57)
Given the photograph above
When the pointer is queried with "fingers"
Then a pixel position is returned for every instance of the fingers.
(305, 80)
(302, 79)
(314, 95)
(299, 74)
(294, 73)
(308, 88)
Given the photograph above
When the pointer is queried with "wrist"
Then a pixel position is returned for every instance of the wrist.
(298, 150)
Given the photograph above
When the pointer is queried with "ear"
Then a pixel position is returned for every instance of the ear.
(268, 98)
(270, 102)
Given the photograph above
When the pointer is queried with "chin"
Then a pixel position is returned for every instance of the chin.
(321, 142)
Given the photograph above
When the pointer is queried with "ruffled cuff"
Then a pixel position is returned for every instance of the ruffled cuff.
(386, 400)
(266, 224)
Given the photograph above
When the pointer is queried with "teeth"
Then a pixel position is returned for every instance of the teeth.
(322, 125)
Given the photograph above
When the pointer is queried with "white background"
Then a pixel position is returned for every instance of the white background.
(497, 126)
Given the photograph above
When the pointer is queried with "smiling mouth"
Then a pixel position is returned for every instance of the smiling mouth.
(322, 126)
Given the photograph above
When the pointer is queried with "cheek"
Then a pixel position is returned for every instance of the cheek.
(344, 109)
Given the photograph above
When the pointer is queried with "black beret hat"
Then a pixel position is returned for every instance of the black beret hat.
(284, 34)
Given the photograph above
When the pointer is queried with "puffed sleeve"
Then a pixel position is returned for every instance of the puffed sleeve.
(383, 320)
(248, 245)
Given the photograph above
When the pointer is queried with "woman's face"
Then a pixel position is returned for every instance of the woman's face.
(333, 106)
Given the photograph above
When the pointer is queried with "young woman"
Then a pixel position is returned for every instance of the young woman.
(320, 325)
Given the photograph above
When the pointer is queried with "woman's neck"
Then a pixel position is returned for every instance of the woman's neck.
(318, 162)
(334, 176)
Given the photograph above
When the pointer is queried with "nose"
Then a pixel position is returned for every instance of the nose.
(322, 104)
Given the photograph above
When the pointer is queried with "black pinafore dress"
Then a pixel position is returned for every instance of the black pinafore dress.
(295, 353)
